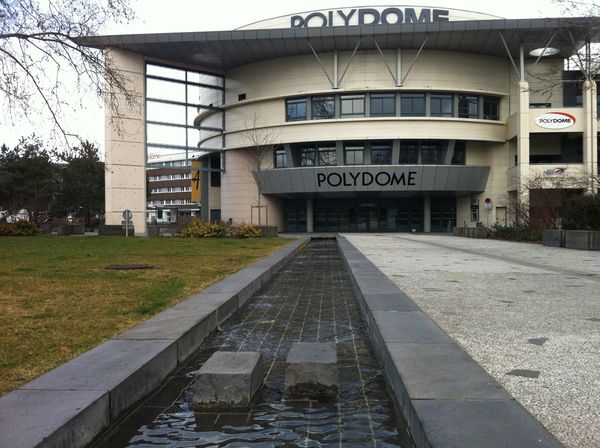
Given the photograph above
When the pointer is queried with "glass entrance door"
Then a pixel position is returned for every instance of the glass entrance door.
(443, 214)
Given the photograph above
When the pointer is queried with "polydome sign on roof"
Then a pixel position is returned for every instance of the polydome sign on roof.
(372, 15)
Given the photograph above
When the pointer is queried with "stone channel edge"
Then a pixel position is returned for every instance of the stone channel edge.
(447, 399)
(72, 404)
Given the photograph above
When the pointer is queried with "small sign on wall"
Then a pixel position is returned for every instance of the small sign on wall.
(555, 120)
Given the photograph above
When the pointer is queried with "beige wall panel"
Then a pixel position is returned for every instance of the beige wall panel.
(125, 153)
(125, 134)
(545, 84)
(301, 74)
(125, 176)
(120, 199)
(374, 129)
(125, 61)
(239, 191)
(132, 109)
(126, 130)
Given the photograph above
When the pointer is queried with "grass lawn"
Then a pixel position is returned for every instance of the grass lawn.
(57, 300)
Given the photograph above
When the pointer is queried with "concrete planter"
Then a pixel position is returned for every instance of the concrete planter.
(582, 239)
(114, 230)
(470, 232)
(554, 238)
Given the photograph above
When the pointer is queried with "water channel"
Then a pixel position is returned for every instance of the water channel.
(310, 300)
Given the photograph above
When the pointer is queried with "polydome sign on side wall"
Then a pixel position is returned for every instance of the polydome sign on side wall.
(555, 120)
(374, 15)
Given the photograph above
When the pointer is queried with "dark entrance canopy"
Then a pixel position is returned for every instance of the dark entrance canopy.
(224, 50)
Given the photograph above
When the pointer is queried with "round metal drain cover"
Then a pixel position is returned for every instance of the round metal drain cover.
(128, 267)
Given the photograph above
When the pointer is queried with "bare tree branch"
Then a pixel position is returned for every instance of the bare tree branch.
(43, 66)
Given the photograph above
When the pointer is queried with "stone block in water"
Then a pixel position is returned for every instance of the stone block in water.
(311, 370)
(228, 380)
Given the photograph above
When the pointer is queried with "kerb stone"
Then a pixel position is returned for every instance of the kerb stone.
(228, 379)
(311, 370)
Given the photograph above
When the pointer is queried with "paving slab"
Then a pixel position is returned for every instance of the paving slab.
(482, 424)
(127, 369)
(442, 371)
(409, 326)
(52, 418)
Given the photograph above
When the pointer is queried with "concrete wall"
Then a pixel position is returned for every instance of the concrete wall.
(239, 191)
(126, 145)
(266, 84)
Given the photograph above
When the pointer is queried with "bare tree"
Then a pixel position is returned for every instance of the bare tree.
(260, 144)
(40, 50)
(543, 198)
(584, 24)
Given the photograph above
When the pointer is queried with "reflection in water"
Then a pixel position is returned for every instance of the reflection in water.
(311, 300)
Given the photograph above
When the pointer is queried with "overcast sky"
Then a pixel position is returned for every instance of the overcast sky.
(158, 16)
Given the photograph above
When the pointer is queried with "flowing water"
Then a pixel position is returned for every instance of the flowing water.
(309, 300)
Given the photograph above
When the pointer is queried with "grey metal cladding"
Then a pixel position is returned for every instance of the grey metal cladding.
(308, 179)
(440, 178)
(285, 182)
(452, 180)
(377, 179)
(427, 178)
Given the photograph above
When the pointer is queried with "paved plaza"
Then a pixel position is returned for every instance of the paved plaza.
(528, 314)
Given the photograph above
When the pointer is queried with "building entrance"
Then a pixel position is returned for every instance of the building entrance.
(370, 215)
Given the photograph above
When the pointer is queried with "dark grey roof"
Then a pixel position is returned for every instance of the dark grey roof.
(223, 50)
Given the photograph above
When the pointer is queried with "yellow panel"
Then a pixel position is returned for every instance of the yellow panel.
(196, 191)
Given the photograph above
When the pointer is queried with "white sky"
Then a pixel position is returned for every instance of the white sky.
(159, 16)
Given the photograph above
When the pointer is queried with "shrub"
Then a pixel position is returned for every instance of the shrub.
(244, 230)
(25, 228)
(5, 229)
(515, 233)
(197, 228)
(582, 212)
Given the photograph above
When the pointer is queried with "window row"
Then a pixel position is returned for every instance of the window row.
(170, 177)
(170, 189)
(411, 152)
(168, 164)
(170, 202)
(409, 104)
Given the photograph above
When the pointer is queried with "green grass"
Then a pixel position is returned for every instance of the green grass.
(57, 300)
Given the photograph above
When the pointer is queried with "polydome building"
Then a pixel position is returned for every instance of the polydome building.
(359, 119)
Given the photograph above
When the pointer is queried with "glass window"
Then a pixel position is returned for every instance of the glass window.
(412, 104)
(383, 104)
(460, 153)
(204, 78)
(307, 156)
(295, 109)
(433, 152)
(280, 159)
(165, 90)
(381, 154)
(165, 72)
(441, 105)
(409, 152)
(354, 154)
(165, 112)
(491, 108)
(327, 155)
(166, 135)
(323, 107)
(468, 106)
(353, 105)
